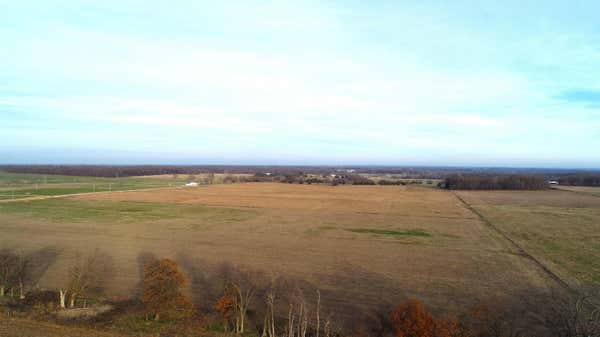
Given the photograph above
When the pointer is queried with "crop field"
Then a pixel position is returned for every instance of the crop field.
(364, 247)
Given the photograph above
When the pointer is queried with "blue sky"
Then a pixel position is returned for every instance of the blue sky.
(493, 83)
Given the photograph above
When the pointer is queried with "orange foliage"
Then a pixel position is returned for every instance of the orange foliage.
(162, 287)
(225, 306)
(412, 320)
(451, 326)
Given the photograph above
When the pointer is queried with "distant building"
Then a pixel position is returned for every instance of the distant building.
(191, 184)
(553, 182)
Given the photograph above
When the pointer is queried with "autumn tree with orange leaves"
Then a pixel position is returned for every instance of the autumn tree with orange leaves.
(451, 326)
(411, 319)
(225, 306)
(162, 288)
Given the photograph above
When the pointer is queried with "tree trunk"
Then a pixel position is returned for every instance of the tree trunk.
(243, 313)
(1, 291)
(156, 316)
(72, 300)
(318, 310)
(21, 293)
(290, 329)
(265, 324)
(63, 295)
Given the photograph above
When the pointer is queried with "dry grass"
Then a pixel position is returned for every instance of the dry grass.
(19, 327)
(595, 191)
(561, 228)
(531, 198)
(398, 200)
(365, 247)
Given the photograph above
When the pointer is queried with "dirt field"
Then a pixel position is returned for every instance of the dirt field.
(365, 247)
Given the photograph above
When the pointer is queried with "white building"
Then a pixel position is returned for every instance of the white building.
(191, 184)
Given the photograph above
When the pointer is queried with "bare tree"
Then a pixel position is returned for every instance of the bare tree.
(269, 321)
(8, 262)
(299, 317)
(318, 328)
(86, 275)
(22, 271)
(568, 315)
(243, 292)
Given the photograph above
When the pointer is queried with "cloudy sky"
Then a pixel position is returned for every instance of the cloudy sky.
(494, 83)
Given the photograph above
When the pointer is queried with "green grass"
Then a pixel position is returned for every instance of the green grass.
(58, 210)
(389, 232)
(569, 237)
(401, 233)
(17, 185)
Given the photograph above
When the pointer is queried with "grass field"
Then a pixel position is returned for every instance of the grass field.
(561, 228)
(364, 247)
(595, 191)
(17, 185)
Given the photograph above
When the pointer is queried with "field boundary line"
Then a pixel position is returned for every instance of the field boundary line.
(520, 250)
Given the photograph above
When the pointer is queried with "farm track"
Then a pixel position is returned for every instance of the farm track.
(520, 250)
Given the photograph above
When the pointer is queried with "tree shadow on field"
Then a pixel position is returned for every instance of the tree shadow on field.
(204, 286)
(337, 304)
(40, 260)
(143, 259)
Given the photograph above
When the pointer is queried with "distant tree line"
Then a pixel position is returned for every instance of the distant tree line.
(276, 170)
(580, 180)
(488, 182)
(112, 171)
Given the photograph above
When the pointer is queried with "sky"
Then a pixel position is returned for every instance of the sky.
(452, 83)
